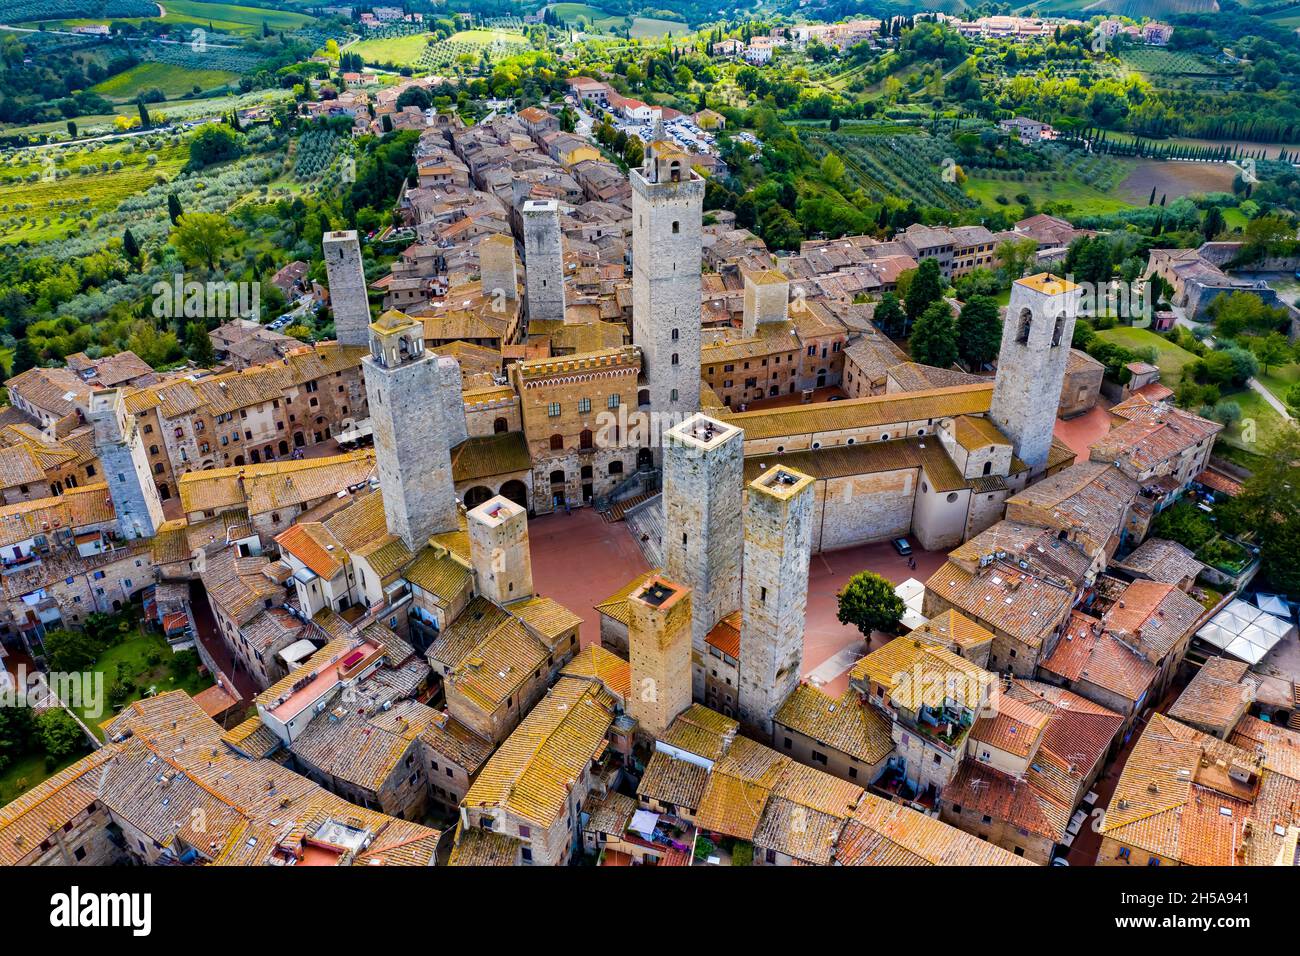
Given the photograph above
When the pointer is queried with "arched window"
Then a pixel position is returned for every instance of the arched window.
(1058, 330)
(1026, 321)
(988, 467)
(557, 443)
(584, 440)
(616, 468)
(557, 477)
(500, 425)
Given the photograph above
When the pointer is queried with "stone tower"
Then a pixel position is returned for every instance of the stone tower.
(498, 545)
(767, 299)
(125, 464)
(704, 463)
(451, 393)
(778, 546)
(347, 285)
(1036, 334)
(412, 449)
(543, 260)
(659, 651)
(667, 222)
(496, 267)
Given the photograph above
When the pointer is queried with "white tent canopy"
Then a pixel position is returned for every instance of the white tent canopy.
(1245, 631)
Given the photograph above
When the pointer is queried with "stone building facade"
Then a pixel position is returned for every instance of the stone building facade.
(126, 466)
(543, 260)
(703, 530)
(347, 284)
(667, 224)
(778, 546)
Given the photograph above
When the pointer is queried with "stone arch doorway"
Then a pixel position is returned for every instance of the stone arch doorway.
(476, 495)
(516, 491)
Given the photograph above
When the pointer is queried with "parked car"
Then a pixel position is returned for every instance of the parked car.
(902, 546)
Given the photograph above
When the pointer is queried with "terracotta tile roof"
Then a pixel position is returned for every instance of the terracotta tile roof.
(1156, 616)
(546, 617)
(1086, 652)
(1186, 796)
(438, 573)
(1004, 598)
(610, 813)
(1016, 727)
(19, 466)
(725, 635)
(476, 846)
(865, 412)
(273, 485)
(594, 662)
(916, 673)
(615, 606)
(844, 724)
(840, 461)
(533, 772)
(952, 629)
(1216, 697)
(883, 833)
(671, 780)
(701, 731)
(490, 456)
(1165, 561)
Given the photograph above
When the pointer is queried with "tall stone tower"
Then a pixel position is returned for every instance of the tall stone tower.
(667, 222)
(347, 284)
(767, 299)
(412, 449)
(451, 392)
(703, 480)
(1036, 334)
(543, 260)
(778, 546)
(125, 464)
(498, 546)
(659, 650)
(496, 266)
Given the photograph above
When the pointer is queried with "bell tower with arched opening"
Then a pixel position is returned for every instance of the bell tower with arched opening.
(1036, 335)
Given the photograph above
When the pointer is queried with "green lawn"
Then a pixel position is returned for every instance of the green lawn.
(1083, 200)
(173, 80)
(133, 655)
(401, 51)
(1170, 358)
(1260, 423)
(1280, 379)
(26, 772)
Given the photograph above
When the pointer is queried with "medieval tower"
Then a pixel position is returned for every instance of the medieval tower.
(412, 445)
(659, 651)
(778, 547)
(347, 285)
(125, 464)
(1036, 334)
(767, 299)
(543, 260)
(704, 463)
(498, 544)
(667, 221)
(498, 273)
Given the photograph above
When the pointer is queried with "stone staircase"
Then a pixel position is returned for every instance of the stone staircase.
(618, 509)
(1294, 722)
(645, 521)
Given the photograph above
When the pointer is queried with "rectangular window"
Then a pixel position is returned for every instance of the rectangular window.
(584, 406)
(553, 410)
(613, 401)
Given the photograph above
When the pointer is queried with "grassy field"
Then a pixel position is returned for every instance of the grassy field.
(647, 27)
(400, 51)
(221, 17)
(51, 207)
(1260, 423)
(602, 21)
(1280, 379)
(133, 655)
(174, 81)
(1083, 200)
(26, 772)
(1170, 358)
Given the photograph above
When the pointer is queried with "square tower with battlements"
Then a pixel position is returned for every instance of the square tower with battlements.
(347, 284)
(778, 547)
(412, 438)
(703, 482)
(1036, 334)
(667, 224)
(543, 260)
(659, 651)
(498, 546)
(125, 463)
